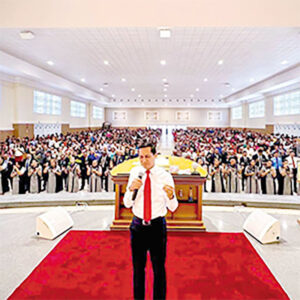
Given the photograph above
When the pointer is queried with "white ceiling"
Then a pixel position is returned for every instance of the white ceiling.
(191, 55)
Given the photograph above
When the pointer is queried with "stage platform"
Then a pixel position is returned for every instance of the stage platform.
(22, 251)
(104, 198)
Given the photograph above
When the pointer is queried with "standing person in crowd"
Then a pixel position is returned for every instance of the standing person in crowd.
(252, 180)
(106, 165)
(27, 164)
(63, 163)
(34, 175)
(4, 187)
(292, 163)
(233, 177)
(18, 179)
(217, 177)
(268, 175)
(118, 158)
(244, 162)
(94, 173)
(81, 161)
(259, 158)
(54, 182)
(277, 164)
(73, 176)
(287, 175)
(202, 164)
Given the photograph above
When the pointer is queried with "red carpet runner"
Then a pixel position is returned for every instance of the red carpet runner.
(97, 265)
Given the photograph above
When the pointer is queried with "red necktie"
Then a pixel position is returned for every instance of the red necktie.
(147, 198)
(294, 166)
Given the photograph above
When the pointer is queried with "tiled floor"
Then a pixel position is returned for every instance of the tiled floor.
(21, 250)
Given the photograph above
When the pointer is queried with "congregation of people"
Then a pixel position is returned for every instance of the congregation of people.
(242, 160)
(71, 162)
(235, 160)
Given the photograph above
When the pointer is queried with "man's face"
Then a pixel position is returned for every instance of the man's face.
(147, 158)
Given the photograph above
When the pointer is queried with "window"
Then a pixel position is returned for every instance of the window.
(98, 112)
(78, 109)
(257, 109)
(287, 104)
(236, 113)
(44, 103)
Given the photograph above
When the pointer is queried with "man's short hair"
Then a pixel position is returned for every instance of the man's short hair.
(146, 145)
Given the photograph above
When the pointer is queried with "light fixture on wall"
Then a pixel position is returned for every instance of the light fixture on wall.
(27, 35)
(164, 33)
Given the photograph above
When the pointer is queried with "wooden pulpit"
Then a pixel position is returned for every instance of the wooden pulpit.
(188, 188)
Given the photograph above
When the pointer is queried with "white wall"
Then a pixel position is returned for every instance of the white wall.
(16, 106)
(198, 117)
(7, 103)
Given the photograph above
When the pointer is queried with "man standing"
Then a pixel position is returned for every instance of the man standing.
(292, 163)
(155, 193)
(277, 163)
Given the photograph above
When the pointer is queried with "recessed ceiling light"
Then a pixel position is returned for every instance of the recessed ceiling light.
(205, 79)
(197, 89)
(82, 79)
(192, 95)
(26, 35)
(113, 95)
(220, 62)
(284, 62)
(165, 96)
(139, 96)
(101, 89)
(50, 63)
(106, 62)
(251, 79)
(163, 62)
(233, 89)
(133, 89)
(165, 89)
(165, 33)
(123, 80)
(164, 80)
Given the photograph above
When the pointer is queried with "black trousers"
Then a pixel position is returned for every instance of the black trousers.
(153, 238)
(295, 180)
(280, 183)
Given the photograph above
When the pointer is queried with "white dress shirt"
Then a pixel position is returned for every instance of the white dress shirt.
(290, 162)
(159, 177)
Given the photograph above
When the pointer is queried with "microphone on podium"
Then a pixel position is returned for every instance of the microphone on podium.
(140, 176)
